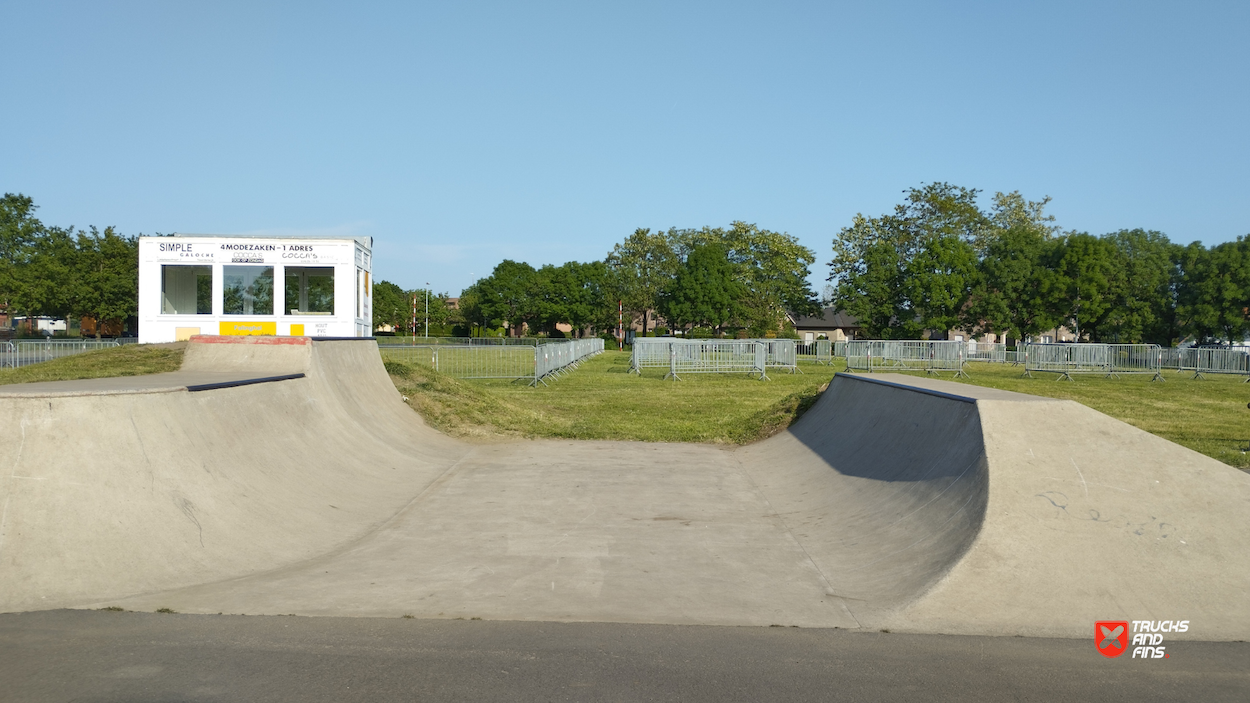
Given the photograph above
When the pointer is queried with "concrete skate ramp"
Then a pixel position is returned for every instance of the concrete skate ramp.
(895, 502)
(108, 494)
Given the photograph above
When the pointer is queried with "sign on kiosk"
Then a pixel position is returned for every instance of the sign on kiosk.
(251, 328)
(206, 284)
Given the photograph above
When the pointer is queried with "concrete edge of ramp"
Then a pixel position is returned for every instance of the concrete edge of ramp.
(166, 383)
(1086, 518)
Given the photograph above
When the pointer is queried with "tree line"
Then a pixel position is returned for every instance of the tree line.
(720, 281)
(940, 262)
(63, 272)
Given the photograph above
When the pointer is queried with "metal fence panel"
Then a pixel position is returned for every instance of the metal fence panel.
(464, 361)
(1221, 361)
(503, 361)
(906, 355)
(654, 351)
(1110, 360)
(818, 350)
(712, 356)
(994, 352)
(24, 352)
(466, 341)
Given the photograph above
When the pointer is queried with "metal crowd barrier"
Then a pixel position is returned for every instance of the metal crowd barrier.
(1110, 360)
(818, 350)
(906, 355)
(419, 341)
(561, 357)
(504, 361)
(1170, 358)
(1219, 361)
(24, 352)
(705, 356)
(993, 352)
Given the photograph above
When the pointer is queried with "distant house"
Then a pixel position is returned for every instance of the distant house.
(834, 324)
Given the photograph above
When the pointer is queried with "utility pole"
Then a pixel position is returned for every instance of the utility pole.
(427, 310)
(412, 329)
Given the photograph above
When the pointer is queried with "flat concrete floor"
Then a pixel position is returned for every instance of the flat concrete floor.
(94, 656)
(653, 533)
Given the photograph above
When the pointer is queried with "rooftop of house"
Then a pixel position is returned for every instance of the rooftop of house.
(829, 318)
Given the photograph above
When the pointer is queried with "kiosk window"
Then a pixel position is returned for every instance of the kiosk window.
(310, 290)
(247, 290)
(186, 290)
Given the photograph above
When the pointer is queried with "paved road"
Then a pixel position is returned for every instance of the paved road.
(98, 656)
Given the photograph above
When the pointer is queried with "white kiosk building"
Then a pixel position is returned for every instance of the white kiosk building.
(238, 285)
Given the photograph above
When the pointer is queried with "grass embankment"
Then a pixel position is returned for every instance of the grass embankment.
(126, 360)
(602, 400)
(1208, 416)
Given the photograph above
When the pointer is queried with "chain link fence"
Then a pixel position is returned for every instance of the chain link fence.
(906, 355)
(532, 362)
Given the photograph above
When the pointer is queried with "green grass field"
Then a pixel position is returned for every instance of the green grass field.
(601, 400)
(126, 360)
(1208, 416)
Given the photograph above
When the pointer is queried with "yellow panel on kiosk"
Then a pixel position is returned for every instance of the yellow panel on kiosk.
(297, 330)
(247, 328)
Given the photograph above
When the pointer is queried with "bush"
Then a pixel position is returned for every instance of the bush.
(661, 331)
(701, 333)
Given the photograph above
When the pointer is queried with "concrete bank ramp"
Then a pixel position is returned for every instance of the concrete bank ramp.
(934, 506)
(896, 502)
(106, 493)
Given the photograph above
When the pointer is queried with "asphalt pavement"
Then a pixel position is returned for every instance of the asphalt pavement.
(100, 656)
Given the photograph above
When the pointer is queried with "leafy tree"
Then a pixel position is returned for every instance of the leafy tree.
(106, 270)
(940, 280)
(706, 291)
(933, 211)
(1078, 290)
(1012, 211)
(1212, 291)
(874, 292)
(1142, 300)
(391, 306)
(1007, 299)
(509, 295)
(641, 267)
(19, 231)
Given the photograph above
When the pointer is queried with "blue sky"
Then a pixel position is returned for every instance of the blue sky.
(459, 134)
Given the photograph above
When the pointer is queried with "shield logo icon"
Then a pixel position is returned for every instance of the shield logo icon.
(1111, 636)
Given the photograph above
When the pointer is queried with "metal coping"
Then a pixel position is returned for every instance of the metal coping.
(929, 391)
(242, 382)
(343, 339)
